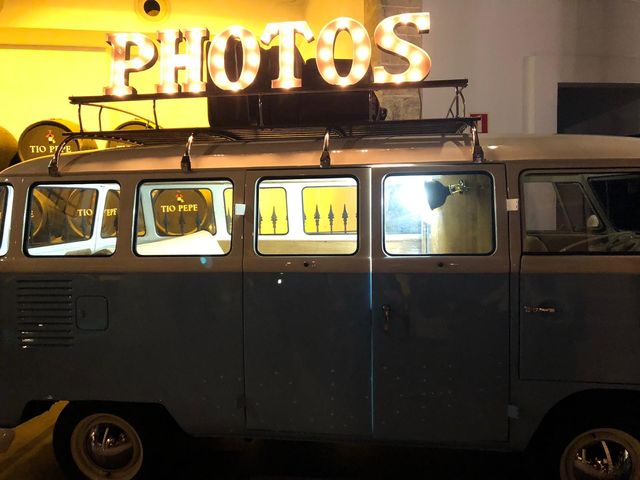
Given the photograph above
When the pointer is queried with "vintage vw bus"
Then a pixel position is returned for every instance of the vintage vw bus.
(384, 288)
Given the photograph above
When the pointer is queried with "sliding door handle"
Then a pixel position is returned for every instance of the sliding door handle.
(547, 310)
(386, 309)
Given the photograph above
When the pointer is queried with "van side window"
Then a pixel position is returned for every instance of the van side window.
(448, 214)
(184, 218)
(63, 217)
(581, 213)
(307, 216)
(6, 194)
(619, 197)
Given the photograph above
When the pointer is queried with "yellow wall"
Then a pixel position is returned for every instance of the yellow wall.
(53, 49)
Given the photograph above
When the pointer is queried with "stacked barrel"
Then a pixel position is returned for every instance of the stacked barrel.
(42, 139)
(8, 148)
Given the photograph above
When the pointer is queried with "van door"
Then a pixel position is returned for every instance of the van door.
(579, 279)
(306, 301)
(440, 303)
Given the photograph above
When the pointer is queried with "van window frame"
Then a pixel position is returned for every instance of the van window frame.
(304, 175)
(174, 180)
(95, 230)
(563, 174)
(6, 218)
(426, 170)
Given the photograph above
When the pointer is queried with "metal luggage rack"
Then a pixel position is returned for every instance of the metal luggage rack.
(453, 124)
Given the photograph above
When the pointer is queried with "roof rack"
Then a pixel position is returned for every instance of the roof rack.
(173, 136)
(454, 124)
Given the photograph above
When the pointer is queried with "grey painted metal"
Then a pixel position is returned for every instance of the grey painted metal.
(440, 369)
(308, 330)
(198, 334)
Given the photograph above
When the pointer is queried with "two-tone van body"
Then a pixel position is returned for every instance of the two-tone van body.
(403, 294)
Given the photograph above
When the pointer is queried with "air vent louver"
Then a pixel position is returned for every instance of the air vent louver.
(44, 317)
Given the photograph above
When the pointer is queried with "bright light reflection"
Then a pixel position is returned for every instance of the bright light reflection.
(411, 194)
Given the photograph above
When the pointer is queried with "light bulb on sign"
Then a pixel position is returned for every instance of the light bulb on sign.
(171, 61)
(361, 52)
(122, 64)
(419, 61)
(287, 32)
(250, 52)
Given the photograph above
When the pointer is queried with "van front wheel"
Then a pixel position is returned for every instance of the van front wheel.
(99, 444)
(599, 454)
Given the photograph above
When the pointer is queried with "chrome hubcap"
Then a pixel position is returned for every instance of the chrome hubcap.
(106, 446)
(109, 446)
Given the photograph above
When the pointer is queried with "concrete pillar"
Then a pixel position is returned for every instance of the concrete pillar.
(401, 104)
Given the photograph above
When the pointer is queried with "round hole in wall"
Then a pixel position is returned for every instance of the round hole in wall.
(152, 10)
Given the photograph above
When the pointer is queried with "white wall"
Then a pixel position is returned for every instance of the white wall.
(515, 52)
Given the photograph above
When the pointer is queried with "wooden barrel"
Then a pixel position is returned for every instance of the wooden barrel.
(46, 219)
(130, 125)
(42, 138)
(182, 211)
(8, 148)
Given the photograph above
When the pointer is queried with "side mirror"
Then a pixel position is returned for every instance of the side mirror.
(593, 223)
(437, 193)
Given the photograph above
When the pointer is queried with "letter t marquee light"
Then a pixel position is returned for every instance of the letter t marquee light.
(287, 31)
(122, 64)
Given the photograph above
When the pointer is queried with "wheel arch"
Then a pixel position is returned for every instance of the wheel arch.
(147, 410)
(612, 401)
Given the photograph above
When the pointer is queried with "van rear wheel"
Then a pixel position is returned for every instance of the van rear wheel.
(601, 454)
(97, 443)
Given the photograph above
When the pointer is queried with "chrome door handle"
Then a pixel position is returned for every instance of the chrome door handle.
(387, 317)
(528, 309)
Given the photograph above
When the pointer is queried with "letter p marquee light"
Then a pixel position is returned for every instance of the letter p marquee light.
(122, 64)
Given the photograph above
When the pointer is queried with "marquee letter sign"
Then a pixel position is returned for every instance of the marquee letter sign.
(191, 61)
(250, 59)
(287, 32)
(386, 38)
(361, 51)
(135, 52)
(122, 62)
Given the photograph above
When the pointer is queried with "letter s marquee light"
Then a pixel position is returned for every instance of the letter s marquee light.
(123, 60)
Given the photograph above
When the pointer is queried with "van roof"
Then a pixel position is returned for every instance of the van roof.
(344, 152)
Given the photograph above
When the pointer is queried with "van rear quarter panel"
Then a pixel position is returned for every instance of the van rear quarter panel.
(174, 333)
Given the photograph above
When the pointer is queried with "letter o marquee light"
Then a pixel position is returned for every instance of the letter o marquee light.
(250, 59)
(361, 51)
(386, 38)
